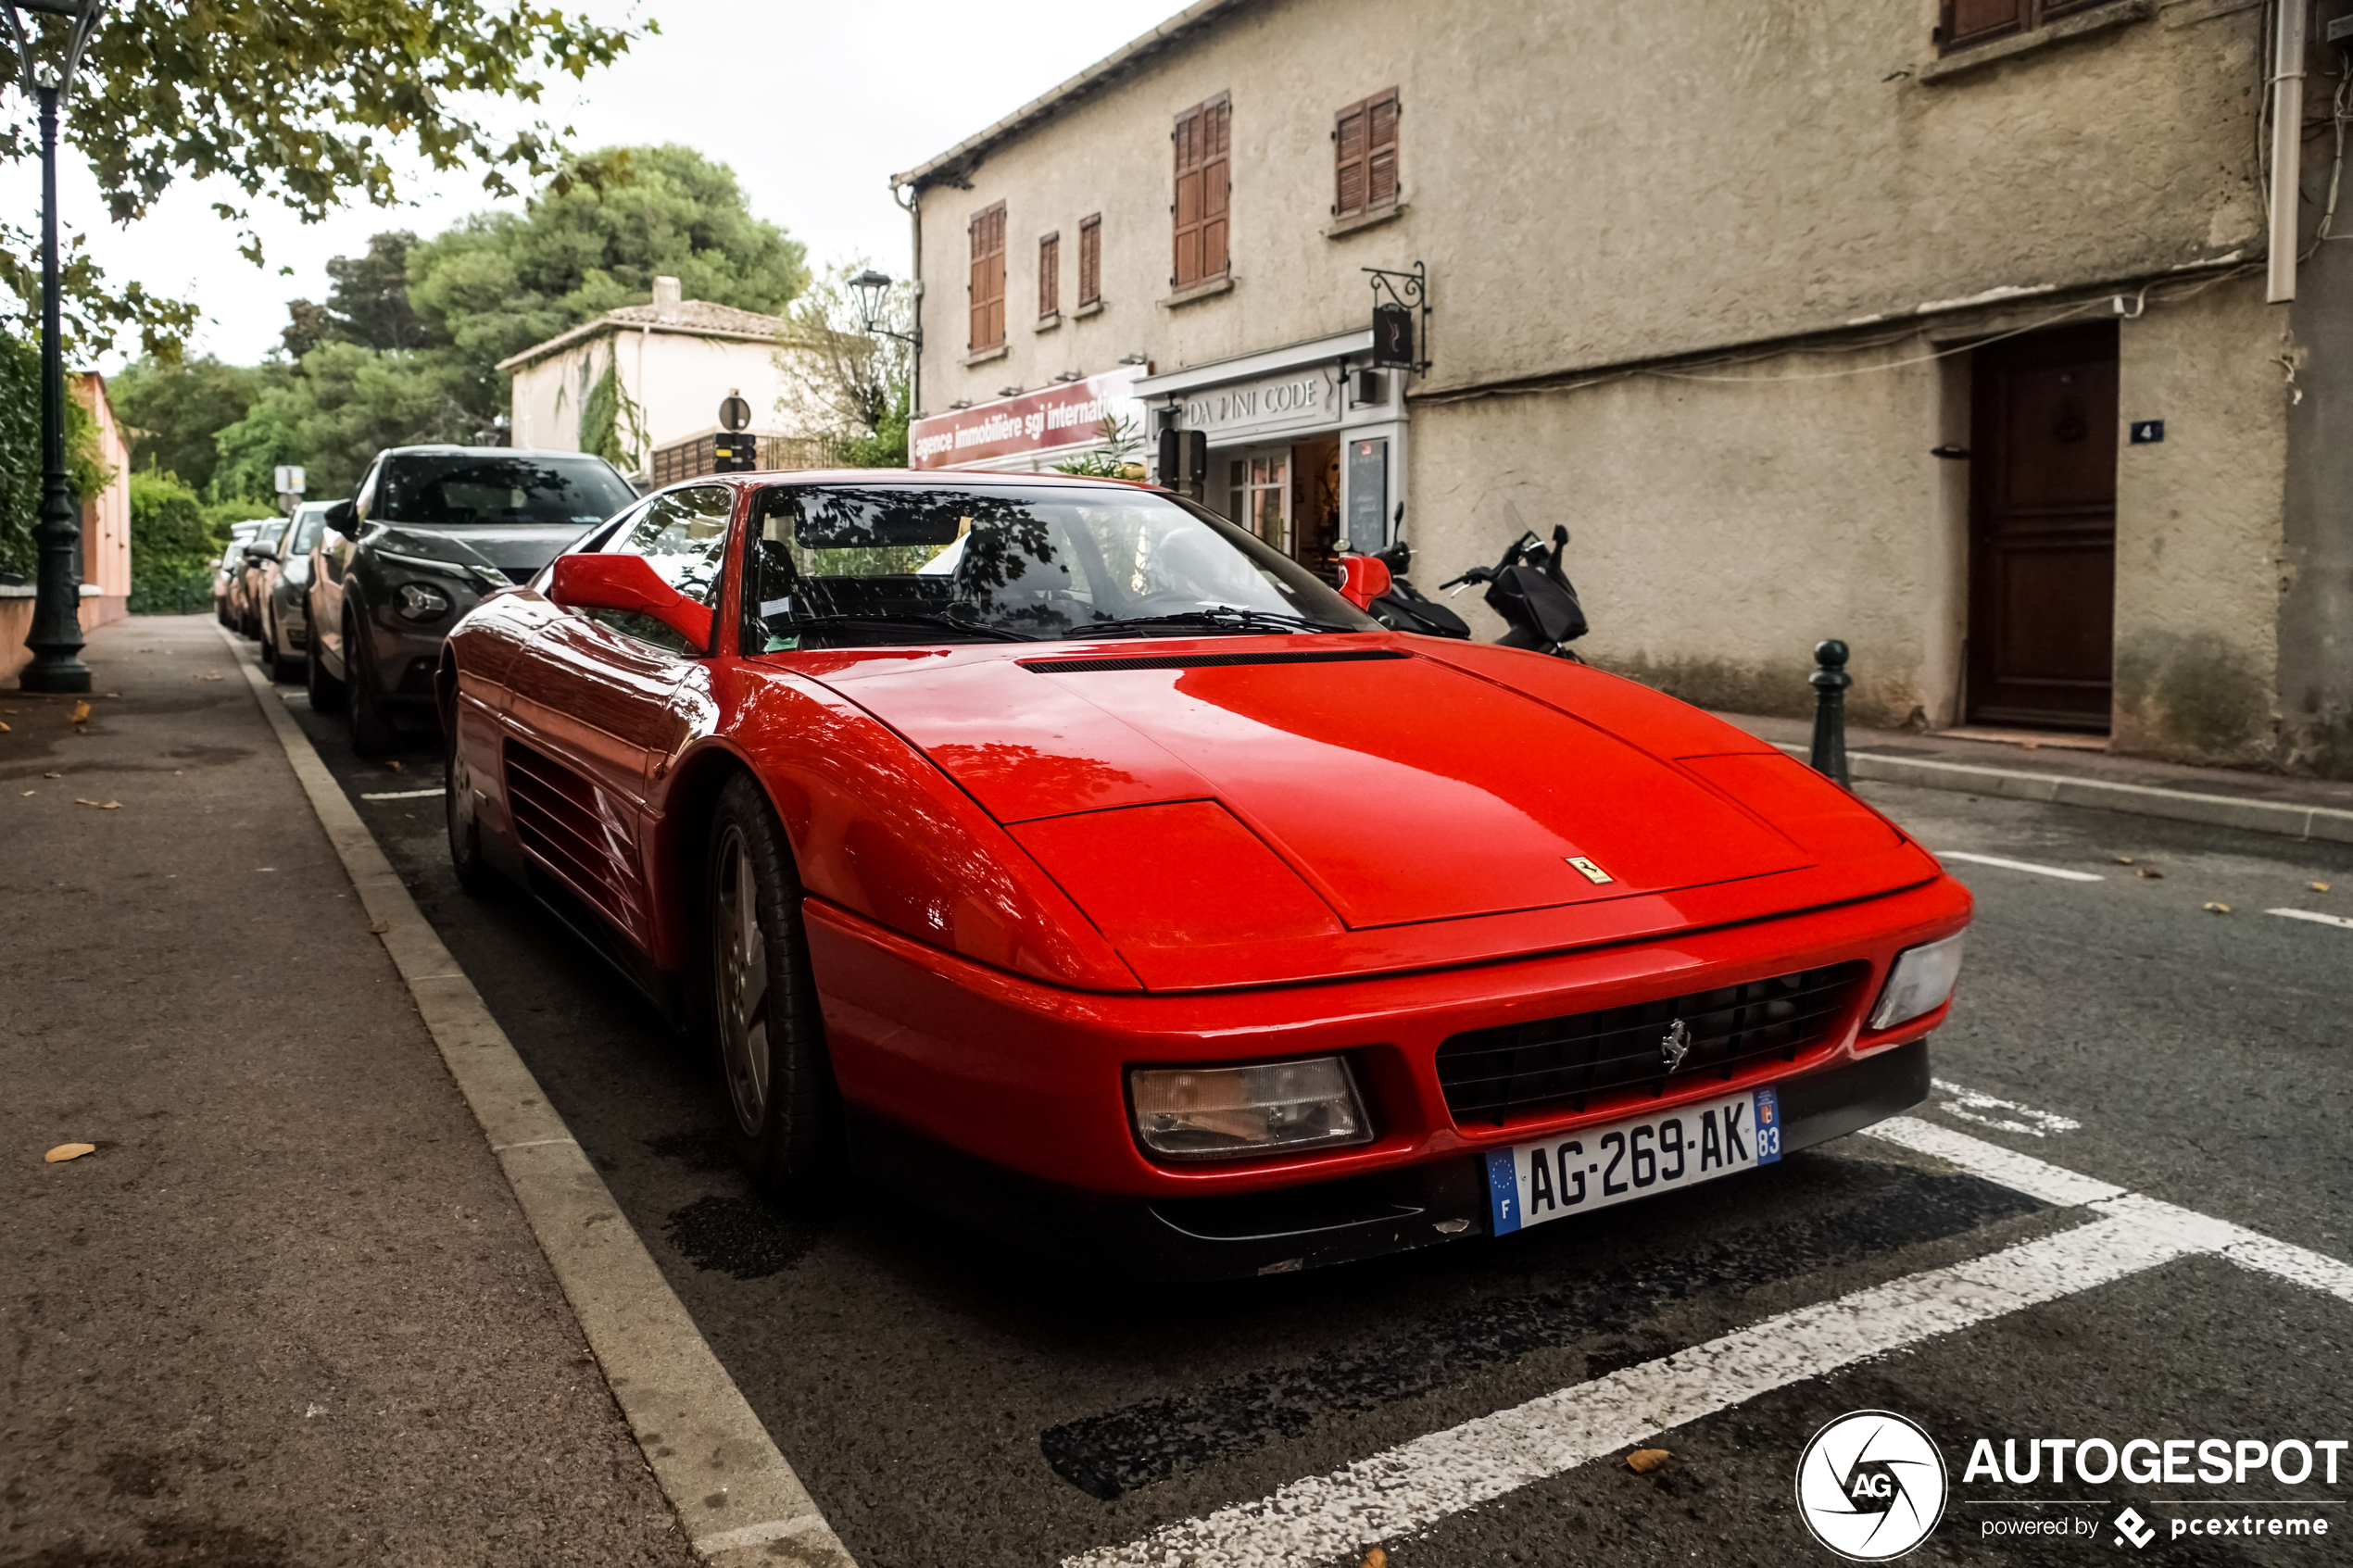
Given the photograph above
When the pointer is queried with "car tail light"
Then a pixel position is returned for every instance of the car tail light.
(1232, 1112)
(1921, 982)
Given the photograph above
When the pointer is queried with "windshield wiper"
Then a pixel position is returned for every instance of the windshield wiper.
(915, 617)
(1226, 618)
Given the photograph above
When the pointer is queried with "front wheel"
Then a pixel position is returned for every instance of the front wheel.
(326, 692)
(787, 1120)
(371, 732)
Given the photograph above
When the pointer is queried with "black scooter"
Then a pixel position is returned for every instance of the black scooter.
(1403, 608)
(1529, 589)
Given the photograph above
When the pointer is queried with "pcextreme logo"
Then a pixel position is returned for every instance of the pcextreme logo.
(1870, 1485)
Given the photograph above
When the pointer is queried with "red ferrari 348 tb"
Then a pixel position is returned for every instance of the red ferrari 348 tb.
(1062, 856)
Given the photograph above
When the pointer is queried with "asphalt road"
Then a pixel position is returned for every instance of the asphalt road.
(950, 1405)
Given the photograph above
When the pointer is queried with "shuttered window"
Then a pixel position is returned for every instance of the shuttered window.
(988, 278)
(1205, 191)
(1090, 260)
(1968, 22)
(1364, 156)
(1050, 275)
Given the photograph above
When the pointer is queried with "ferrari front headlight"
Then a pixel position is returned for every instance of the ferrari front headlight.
(1231, 1113)
(1921, 982)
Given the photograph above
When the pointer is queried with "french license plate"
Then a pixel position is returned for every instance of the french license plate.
(1595, 1167)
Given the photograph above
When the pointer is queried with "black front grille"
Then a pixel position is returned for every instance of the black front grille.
(1204, 660)
(1592, 1060)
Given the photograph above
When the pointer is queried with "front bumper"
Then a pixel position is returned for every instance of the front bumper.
(1287, 1229)
(964, 1075)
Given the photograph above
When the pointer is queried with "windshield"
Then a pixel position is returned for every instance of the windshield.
(460, 489)
(838, 566)
(308, 528)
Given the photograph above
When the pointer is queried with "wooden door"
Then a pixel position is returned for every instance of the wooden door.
(2043, 531)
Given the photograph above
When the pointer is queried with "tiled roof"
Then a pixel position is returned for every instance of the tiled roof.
(695, 318)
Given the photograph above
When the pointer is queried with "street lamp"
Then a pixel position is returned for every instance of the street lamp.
(871, 286)
(55, 636)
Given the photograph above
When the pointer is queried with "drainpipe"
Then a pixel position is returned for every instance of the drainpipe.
(2287, 144)
(913, 204)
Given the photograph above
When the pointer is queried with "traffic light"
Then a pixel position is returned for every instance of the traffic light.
(1184, 457)
(733, 452)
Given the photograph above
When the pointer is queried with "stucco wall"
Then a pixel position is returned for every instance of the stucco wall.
(1591, 184)
(676, 378)
(1720, 529)
(2198, 529)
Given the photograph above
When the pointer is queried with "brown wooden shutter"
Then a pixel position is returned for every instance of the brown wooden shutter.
(1347, 162)
(1380, 152)
(1364, 156)
(989, 277)
(1090, 260)
(1050, 275)
(1203, 141)
(1980, 22)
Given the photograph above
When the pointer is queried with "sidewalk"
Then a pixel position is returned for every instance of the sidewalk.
(2071, 776)
(289, 1312)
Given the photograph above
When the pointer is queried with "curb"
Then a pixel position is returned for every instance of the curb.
(2283, 819)
(737, 1497)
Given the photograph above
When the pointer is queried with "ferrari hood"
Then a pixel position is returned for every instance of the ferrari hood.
(515, 553)
(1398, 788)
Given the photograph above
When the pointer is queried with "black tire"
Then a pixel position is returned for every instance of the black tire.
(326, 692)
(273, 664)
(371, 732)
(474, 874)
(785, 1113)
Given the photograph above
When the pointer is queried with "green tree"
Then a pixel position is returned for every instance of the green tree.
(368, 305)
(347, 403)
(303, 103)
(854, 381)
(173, 409)
(501, 282)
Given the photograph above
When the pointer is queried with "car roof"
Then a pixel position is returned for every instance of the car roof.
(944, 479)
(444, 449)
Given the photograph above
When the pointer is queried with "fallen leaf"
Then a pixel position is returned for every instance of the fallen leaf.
(69, 1151)
(1374, 1558)
(52, 775)
(2125, 860)
(2218, 909)
(1641, 1461)
(80, 713)
(2318, 886)
(377, 927)
(2151, 872)
(210, 675)
(393, 764)
(32, 792)
(3, 728)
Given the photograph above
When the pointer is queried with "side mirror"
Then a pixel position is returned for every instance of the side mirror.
(625, 581)
(1363, 579)
(260, 552)
(340, 519)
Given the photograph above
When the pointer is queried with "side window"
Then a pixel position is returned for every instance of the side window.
(1365, 156)
(683, 536)
(364, 498)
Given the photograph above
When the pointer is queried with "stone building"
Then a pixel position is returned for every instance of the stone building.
(1945, 327)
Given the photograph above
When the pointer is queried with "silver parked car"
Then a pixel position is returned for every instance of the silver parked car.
(285, 592)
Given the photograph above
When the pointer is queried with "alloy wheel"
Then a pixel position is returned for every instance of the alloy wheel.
(741, 957)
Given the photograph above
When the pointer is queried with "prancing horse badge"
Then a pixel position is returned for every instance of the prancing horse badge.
(1675, 1045)
(1593, 872)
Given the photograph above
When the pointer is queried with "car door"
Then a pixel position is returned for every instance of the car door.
(330, 562)
(591, 713)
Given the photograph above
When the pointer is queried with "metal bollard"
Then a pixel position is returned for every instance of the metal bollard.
(1830, 682)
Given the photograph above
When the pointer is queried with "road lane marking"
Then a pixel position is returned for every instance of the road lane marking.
(2059, 871)
(1416, 1484)
(2314, 916)
(732, 1488)
(406, 793)
(1970, 1105)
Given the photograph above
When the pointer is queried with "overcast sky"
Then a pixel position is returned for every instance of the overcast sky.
(814, 106)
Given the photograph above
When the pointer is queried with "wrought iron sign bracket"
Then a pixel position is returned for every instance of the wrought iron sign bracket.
(1408, 291)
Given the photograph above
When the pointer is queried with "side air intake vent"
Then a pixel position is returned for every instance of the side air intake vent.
(1205, 661)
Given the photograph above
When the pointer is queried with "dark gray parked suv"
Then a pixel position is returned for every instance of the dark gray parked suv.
(428, 532)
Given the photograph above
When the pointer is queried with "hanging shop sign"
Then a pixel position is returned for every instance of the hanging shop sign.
(1064, 415)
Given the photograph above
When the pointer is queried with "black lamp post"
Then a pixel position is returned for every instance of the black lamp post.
(871, 286)
(55, 637)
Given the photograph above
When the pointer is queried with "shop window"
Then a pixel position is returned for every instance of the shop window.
(1261, 495)
(988, 278)
(1203, 140)
(1090, 260)
(1970, 22)
(1364, 156)
(1050, 275)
